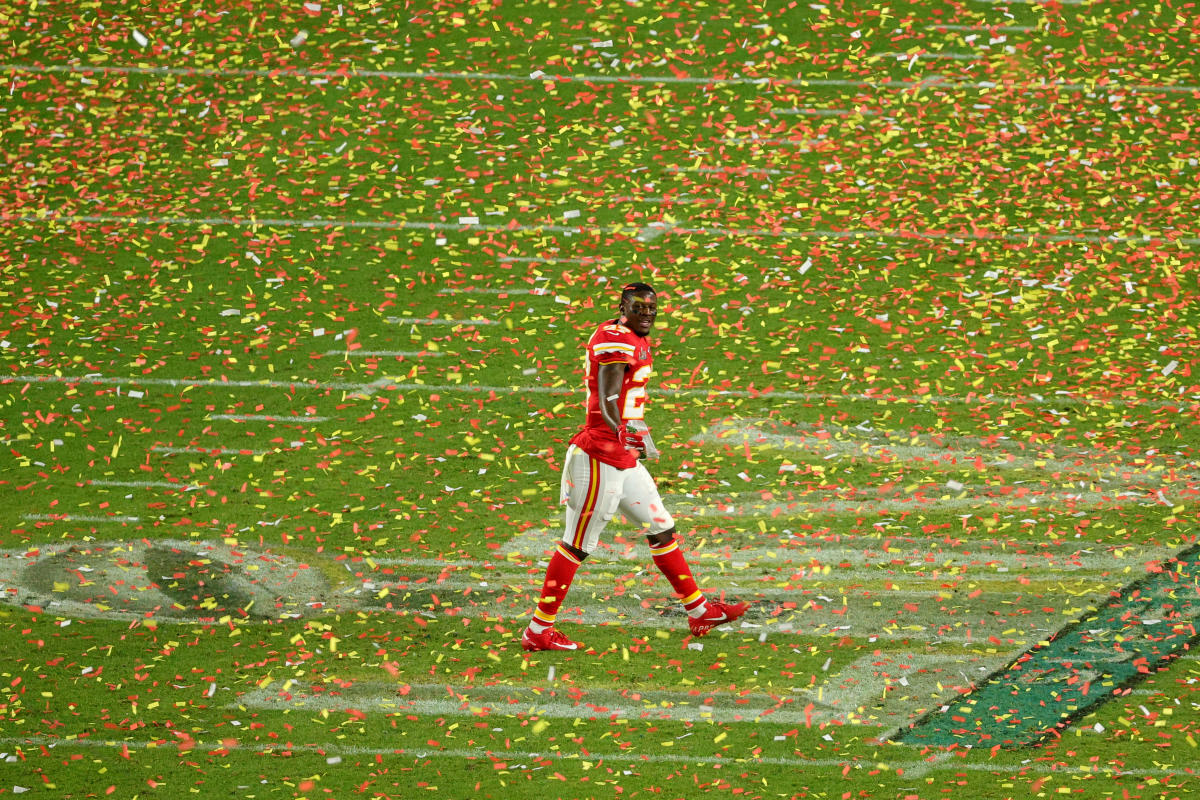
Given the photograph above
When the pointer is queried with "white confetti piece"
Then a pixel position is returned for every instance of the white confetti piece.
(300, 38)
(140, 38)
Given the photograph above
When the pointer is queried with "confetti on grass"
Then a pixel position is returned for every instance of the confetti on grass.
(948, 296)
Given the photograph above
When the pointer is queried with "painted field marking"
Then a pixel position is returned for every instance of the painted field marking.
(758, 140)
(809, 507)
(507, 757)
(437, 321)
(91, 519)
(215, 451)
(665, 200)
(933, 54)
(253, 585)
(739, 169)
(712, 230)
(540, 77)
(189, 487)
(527, 585)
(874, 554)
(836, 578)
(385, 353)
(824, 112)
(555, 260)
(538, 291)
(984, 27)
(956, 451)
(212, 383)
(1058, 680)
(546, 701)
(266, 418)
(368, 389)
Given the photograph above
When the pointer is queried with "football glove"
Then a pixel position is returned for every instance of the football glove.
(630, 440)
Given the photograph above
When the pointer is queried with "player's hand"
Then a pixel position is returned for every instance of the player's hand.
(631, 440)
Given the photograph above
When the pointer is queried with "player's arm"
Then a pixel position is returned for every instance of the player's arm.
(608, 382)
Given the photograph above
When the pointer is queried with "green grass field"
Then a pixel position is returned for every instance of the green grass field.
(292, 310)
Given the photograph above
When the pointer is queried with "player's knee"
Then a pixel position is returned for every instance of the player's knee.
(662, 538)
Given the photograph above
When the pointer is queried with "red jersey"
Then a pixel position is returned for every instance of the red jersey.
(613, 343)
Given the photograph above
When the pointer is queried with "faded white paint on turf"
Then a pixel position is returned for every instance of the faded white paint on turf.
(265, 418)
(384, 353)
(808, 556)
(942, 452)
(69, 742)
(705, 704)
(1171, 238)
(538, 76)
(91, 519)
(189, 487)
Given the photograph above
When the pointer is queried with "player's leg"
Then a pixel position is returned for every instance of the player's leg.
(642, 503)
(591, 490)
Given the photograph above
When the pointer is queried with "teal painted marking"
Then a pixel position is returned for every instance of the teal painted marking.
(1133, 635)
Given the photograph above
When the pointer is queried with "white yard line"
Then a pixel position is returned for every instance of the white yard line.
(554, 260)
(933, 54)
(956, 452)
(540, 77)
(215, 451)
(824, 112)
(373, 387)
(265, 418)
(712, 230)
(189, 487)
(385, 353)
(737, 169)
(480, 290)
(91, 519)
(479, 701)
(664, 200)
(871, 554)
(516, 759)
(983, 27)
(438, 321)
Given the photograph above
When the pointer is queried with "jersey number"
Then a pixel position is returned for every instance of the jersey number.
(635, 397)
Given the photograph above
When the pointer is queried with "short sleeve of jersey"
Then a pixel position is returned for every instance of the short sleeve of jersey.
(613, 344)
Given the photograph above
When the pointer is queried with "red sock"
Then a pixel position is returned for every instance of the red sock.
(669, 558)
(559, 575)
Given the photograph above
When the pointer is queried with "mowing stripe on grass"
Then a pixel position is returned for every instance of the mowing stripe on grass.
(712, 230)
(541, 77)
(508, 757)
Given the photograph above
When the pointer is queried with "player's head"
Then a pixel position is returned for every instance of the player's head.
(639, 307)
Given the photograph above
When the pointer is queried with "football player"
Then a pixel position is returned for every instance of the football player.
(602, 473)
